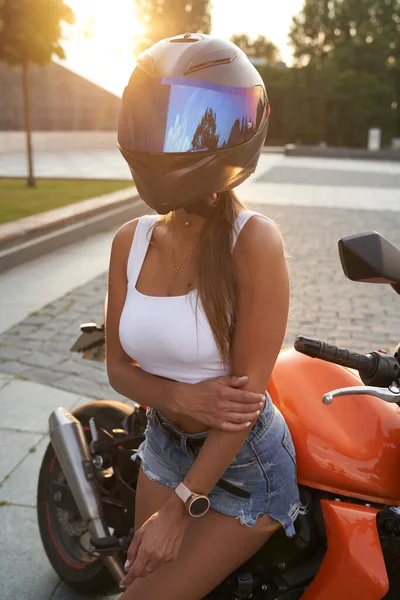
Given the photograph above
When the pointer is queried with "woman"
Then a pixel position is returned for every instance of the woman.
(195, 296)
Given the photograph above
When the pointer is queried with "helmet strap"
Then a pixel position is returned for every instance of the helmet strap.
(203, 208)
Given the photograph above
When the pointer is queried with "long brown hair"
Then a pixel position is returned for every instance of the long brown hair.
(214, 270)
(215, 273)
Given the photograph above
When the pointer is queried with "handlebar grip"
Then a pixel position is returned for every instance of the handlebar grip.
(110, 543)
(366, 364)
(91, 327)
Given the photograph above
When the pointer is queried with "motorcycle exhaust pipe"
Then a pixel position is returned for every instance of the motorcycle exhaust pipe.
(70, 445)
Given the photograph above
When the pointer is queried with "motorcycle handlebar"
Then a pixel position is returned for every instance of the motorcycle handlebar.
(376, 368)
(366, 364)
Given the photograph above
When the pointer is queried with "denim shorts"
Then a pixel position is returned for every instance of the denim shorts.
(263, 472)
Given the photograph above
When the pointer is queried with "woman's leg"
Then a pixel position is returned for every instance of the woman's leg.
(150, 497)
(213, 547)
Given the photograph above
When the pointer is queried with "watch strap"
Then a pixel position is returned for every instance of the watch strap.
(183, 492)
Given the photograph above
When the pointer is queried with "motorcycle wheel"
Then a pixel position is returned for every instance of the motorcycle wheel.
(64, 534)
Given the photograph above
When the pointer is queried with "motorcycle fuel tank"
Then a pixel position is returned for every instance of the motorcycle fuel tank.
(350, 447)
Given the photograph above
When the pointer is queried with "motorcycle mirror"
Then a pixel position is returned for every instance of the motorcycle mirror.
(371, 258)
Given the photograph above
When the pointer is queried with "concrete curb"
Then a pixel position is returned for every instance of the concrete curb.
(35, 236)
(356, 153)
(273, 150)
(58, 217)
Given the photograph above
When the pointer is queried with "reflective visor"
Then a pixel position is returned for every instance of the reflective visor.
(188, 115)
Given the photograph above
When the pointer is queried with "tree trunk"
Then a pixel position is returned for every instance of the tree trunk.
(31, 180)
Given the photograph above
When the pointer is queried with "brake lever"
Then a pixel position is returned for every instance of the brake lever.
(390, 394)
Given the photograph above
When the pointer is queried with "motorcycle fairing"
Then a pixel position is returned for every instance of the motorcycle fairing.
(351, 447)
(353, 566)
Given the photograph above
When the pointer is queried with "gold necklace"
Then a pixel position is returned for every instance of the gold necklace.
(176, 268)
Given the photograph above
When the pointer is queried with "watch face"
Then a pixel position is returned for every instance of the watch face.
(199, 506)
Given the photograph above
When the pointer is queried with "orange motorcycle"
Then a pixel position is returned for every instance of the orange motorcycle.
(343, 413)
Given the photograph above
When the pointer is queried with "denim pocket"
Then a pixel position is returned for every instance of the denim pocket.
(246, 458)
(262, 425)
(239, 463)
(287, 443)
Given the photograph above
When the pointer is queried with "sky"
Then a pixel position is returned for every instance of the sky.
(106, 57)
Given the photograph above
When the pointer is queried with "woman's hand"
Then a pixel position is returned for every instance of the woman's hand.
(219, 403)
(157, 542)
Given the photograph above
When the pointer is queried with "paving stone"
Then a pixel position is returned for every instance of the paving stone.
(73, 367)
(26, 405)
(8, 339)
(37, 319)
(25, 571)
(330, 177)
(43, 375)
(41, 359)
(65, 339)
(43, 334)
(63, 592)
(22, 329)
(14, 447)
(46, 333)
(96, 365)
(21, 486)
(48, 346)
(5, 380)
(12, 368)
(82, 386)
(99, 377)
(87, 371)
(8, 352)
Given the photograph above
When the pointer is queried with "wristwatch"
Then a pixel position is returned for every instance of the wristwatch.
(196, 504)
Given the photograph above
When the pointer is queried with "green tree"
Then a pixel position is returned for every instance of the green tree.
(362, 100)
(300, 105)
(261, 47)
(30, 31)
(312, 32)
(205, 136)
(354, 40)
(369, 44)
(166, 18)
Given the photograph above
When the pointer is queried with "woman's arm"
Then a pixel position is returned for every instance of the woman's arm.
(262, 319)
(215, 402)
(124, 374)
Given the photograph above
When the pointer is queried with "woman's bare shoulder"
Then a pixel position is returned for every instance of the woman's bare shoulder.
(124, 235)
(258, 236)
(122, 241)
(261, 257)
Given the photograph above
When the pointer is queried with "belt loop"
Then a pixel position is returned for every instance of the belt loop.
(184, 444)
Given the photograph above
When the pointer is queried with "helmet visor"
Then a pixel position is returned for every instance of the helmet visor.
(188, 115)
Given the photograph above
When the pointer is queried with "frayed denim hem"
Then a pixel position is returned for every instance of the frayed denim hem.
(288, 525)
(150, 473)
(295, 510)
(249, 521)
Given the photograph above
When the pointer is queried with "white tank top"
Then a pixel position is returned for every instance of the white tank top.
(161, 332)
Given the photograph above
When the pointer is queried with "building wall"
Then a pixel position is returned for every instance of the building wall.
(60, 101)
(14, 142)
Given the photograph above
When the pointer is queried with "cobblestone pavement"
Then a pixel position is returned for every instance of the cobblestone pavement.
(39, 373)
(324, 303)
